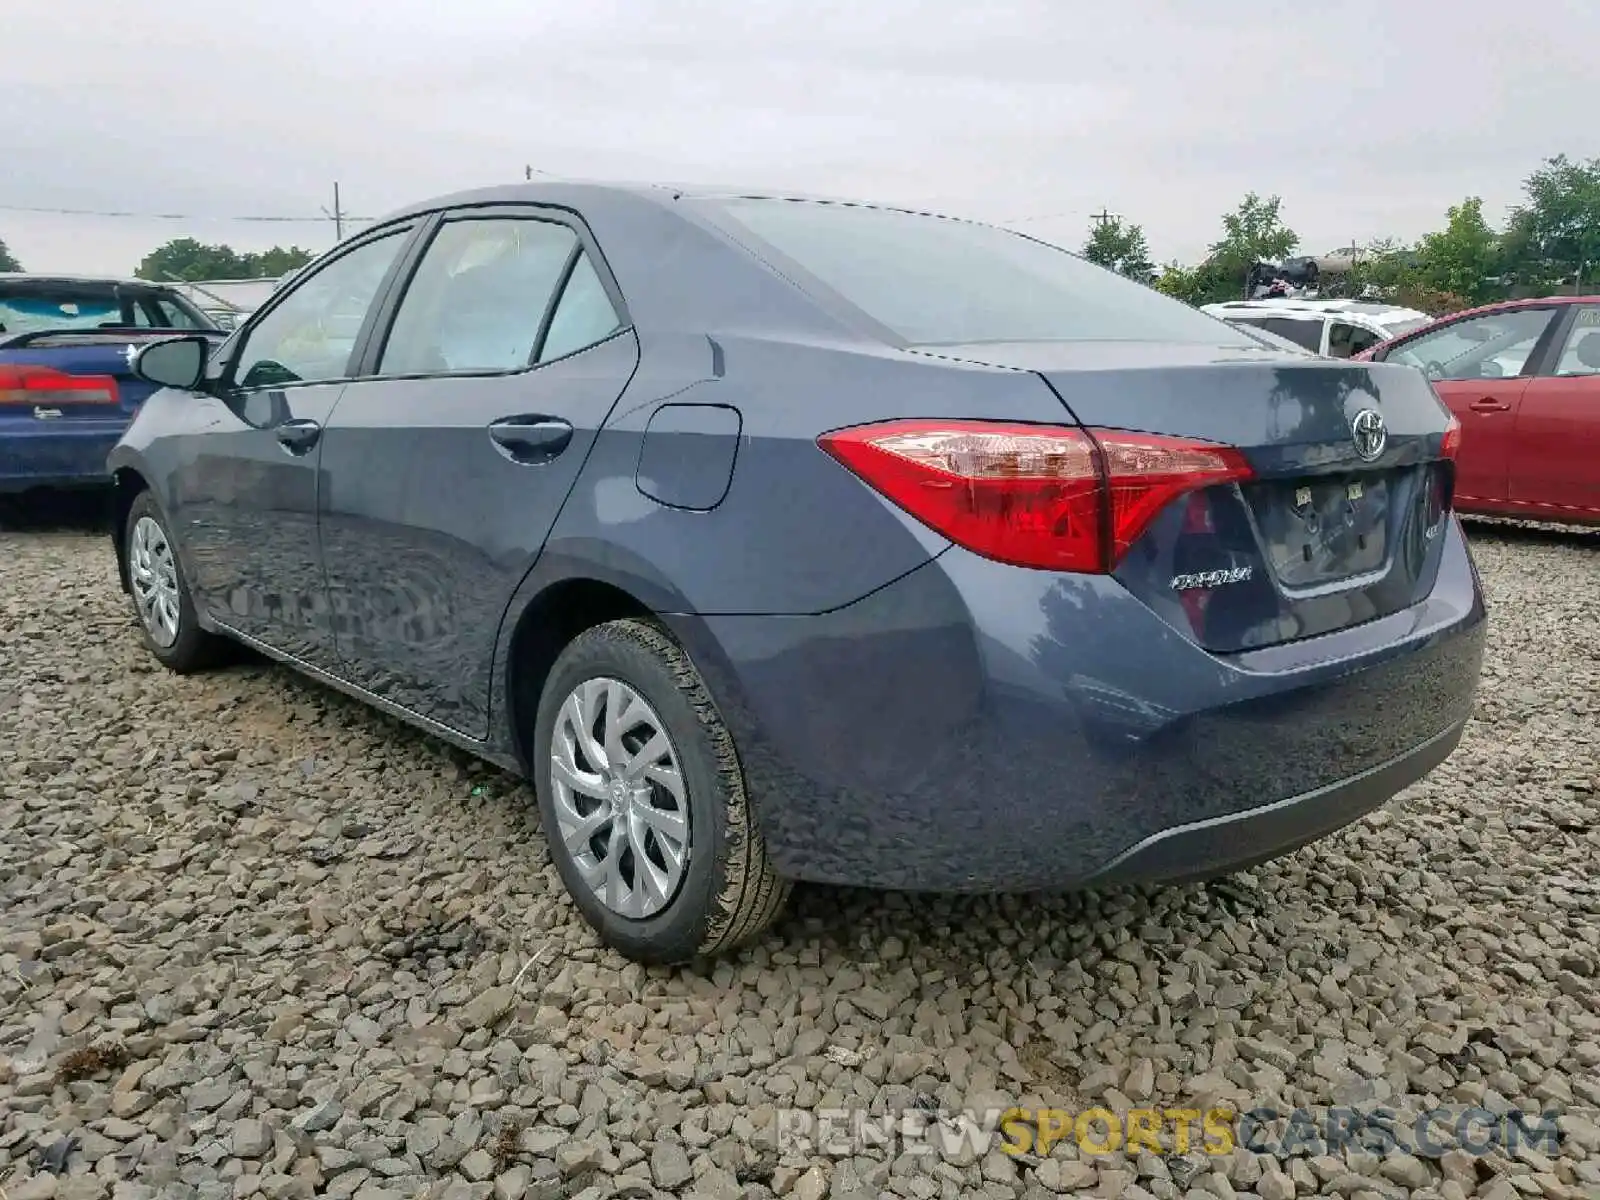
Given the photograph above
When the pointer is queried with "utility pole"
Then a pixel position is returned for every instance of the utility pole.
(336, 216)
(527, 172)
(1102, 217)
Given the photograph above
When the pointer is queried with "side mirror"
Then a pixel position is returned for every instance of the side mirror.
(177, 362)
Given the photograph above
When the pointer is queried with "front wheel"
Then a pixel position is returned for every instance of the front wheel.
(643, 803)
(161, 600)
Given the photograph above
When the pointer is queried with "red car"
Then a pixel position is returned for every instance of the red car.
(1523, 378)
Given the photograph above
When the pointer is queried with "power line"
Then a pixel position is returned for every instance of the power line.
(167, 216)
(1071, 212)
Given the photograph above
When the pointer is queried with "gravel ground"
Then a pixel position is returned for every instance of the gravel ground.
(255, 939)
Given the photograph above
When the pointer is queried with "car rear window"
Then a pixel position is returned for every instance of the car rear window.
(34, 308)
(934, 280)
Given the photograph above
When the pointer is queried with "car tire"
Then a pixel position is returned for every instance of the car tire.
(156, 584)
(725, 891)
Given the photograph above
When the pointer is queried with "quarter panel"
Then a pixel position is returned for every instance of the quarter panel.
(796, 532)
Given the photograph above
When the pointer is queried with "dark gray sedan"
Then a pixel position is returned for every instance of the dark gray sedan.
(780, 539)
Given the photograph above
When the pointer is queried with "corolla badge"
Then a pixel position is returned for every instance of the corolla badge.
(1368, 432)
(1208, 579)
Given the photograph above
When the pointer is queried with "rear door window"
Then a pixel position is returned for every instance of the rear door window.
(478, 299)
(1581, 354)
(583, 316)
(1305, 332)
(1346, 339)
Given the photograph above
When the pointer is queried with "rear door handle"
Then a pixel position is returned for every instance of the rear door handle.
(531, 439)
(299, 435)
(1489, 404)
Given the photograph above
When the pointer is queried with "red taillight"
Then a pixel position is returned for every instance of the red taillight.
(1032, 495)
(45, 385)
(1146, 472)
(1450, 444)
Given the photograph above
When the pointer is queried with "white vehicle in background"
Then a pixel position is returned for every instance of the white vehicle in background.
(1336, 328)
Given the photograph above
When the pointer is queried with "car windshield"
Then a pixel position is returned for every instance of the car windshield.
(938, 281)
(36, 308)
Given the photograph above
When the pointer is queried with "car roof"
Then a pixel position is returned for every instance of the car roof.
(583, 194)
(1524, 302)
(1381, 314)
(101, 280)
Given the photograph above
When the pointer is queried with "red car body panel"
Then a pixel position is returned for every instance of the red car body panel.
(1530, 442)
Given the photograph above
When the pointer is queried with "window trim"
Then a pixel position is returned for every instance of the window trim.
(1538, 358)
(225, 380)
(431, 223)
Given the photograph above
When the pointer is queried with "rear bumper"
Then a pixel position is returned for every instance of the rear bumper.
(1229, 843)
(974, 727)
(56, 454)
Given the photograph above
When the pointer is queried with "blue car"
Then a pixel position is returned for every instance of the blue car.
(66, 389)
(780, 539)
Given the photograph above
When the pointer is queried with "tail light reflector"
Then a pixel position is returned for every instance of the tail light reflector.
(1044, 496)
(23, 384)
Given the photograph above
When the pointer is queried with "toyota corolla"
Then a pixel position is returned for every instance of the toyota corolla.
(780, 539)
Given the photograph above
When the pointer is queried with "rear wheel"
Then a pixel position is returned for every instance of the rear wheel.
(161, 600)
(643, 802)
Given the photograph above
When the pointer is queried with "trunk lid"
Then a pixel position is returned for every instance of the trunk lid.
(1342, 521)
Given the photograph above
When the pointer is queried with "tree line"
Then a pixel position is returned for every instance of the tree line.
(194, 261)
(1549, 243)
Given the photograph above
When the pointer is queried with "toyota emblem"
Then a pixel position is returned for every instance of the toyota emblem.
(1369, 434)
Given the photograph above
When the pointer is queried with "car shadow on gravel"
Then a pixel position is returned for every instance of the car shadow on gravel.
(1062, 925)
(57, 510)
(1532, 533)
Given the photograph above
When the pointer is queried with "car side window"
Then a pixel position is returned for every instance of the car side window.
(1493, 346)
(1346, 340)
(479, 297)
(1307, 333)
(308, 336)
(1581, 354)
(584, 315)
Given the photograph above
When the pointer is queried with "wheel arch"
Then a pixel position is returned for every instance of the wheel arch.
(568, 591)
(126, 485)
(545, 626)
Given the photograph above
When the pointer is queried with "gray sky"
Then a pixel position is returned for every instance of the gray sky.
(1367, 118)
